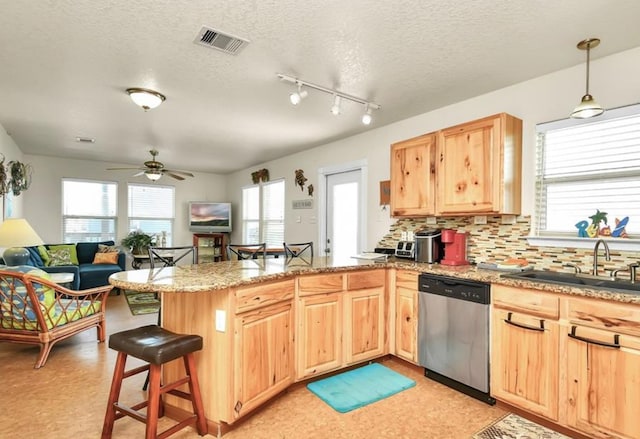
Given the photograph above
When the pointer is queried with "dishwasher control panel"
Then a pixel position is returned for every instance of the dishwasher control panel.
(463, 289)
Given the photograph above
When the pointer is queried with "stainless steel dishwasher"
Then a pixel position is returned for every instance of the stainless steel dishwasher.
(453, 333)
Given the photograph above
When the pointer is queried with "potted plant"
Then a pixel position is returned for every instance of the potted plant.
(138, 242)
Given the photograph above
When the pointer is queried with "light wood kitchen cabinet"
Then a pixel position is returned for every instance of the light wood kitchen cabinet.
(407, 315)
(603, 368)
(341, 320)
(264, 340)
(413, 176)
(479, 166)
(525, 356)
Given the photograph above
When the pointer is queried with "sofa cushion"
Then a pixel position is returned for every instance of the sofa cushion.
(19, 312)
(87, 250)
(106, 258)
(102, 248)
(71, 248)
(59, 257)
(44, 255)
(34, 257)
(96, 275)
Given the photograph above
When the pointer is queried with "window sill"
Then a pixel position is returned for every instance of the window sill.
(621, 244)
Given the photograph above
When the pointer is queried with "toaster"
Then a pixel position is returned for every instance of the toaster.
(405, 249)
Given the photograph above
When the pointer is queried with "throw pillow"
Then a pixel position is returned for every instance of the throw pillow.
(107, 248)
(44, 254)
(106, 258)
(72, 252)
(60, 256)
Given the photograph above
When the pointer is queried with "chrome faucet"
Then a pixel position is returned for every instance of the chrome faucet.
(607, 256)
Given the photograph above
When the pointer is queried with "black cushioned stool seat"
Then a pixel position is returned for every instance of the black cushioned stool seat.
(156, 346)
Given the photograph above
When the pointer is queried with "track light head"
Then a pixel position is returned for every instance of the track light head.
(298, 96)
(335, 109)
(366, 117)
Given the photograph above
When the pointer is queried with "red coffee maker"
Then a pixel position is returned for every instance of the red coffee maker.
(455, 247)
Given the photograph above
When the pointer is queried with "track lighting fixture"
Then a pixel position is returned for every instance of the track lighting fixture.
(338, 97)
(588, 107)
(366, 117)
(335, 109)
(298, 96)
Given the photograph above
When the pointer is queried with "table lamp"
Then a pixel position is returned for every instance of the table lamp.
(15, 234)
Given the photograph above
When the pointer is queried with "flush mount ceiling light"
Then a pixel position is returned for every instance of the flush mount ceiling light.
(145, 98)
(338, 96)
(588, 107)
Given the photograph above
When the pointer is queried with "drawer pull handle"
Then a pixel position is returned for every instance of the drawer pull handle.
(522, 325)
(614, 345)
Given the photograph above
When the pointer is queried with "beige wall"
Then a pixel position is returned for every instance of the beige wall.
(614, 82)
(43, 200)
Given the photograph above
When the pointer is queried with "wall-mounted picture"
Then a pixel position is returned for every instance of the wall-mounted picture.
(209, 217)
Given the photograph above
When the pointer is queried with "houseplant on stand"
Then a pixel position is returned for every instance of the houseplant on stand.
(138, 242)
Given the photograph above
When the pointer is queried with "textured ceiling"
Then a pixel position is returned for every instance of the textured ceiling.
(65, 65)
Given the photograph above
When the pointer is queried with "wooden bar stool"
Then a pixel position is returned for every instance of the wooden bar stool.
(156, 346)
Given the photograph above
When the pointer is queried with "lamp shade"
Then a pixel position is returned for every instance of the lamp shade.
(16, 233)
(587, 108)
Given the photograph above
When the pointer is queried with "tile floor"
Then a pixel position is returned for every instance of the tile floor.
(67, 398)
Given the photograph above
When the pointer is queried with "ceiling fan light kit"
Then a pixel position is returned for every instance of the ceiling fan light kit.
(154, 169)
(145, 98)
(588, 107)
(338, 96)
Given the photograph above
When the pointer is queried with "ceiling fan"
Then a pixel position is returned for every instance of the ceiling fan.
(154, 169)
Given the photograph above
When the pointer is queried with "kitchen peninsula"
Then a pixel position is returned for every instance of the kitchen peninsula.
(267, 324)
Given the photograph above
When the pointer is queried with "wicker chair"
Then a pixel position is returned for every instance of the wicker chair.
(34, 310)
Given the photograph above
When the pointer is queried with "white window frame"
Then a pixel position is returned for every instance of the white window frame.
(263, 223)
(547, 239)
(113, 218)
(171, 219)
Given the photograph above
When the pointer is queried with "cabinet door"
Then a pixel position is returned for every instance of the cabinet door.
(407, 324)
(364, 324)
(525, 362)
(413, 176)
(263, 356)
(603, 382)
(319, 340)
(469, 166)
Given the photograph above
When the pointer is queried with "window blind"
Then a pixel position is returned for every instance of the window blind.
(152, 209)
(89, 210)
(263, 213)
(585, 167)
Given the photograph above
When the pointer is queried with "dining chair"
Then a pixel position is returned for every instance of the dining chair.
(170, 256)
(246, 251)
(294, 250)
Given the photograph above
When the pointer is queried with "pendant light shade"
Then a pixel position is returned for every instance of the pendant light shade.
(588, 107)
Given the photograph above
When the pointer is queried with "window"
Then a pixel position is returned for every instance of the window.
(89, 210)
(586, 166)
(152, 210)
(263, 213)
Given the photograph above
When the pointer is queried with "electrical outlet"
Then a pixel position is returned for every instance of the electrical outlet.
(221, 320)
(508, 219)
(432, 220)
(479, 219)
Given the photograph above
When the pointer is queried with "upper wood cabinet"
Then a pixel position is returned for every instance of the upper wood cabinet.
(469, 169)
(479, 164)
(413, 176)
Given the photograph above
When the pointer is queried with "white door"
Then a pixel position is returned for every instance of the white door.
(343, 214)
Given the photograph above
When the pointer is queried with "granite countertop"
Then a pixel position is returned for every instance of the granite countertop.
(226, 274)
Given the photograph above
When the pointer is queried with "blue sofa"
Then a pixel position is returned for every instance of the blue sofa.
(86, 274)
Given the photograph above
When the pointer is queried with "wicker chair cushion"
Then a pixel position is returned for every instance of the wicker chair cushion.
(16, 304)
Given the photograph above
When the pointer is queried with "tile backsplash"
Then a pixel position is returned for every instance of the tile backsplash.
(495, 242)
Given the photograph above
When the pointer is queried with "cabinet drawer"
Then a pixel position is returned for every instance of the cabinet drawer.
(361, 280)
(407, 279)
(320, 284)
(248, 298)
(527, 301)
(622, 318)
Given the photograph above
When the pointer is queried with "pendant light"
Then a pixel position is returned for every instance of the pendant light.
(588, 107)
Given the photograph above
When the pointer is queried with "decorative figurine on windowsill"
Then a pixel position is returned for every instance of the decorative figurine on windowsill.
(586, 230)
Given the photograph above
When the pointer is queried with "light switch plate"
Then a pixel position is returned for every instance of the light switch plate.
(508, 219)
(432, 220)
(479, 219)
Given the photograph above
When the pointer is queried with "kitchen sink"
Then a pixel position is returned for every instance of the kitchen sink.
(576, 279)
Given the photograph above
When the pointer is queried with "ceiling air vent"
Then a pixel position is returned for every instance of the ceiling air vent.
(216, 39)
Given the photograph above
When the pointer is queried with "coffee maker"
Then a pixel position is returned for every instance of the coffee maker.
(455, 247)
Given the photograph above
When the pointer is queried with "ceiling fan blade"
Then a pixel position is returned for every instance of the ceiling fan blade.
(122, 169)
(139, 174)
(171, 174)
(188, 174)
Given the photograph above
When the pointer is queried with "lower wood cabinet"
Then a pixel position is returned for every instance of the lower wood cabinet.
(406, 331)
(364, 326)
